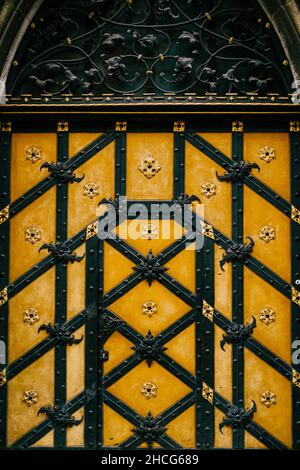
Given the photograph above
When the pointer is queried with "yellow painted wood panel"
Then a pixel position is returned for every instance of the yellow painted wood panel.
(130, 308)
(98, 170)
(258, 296)
(40, 214)
(259, 378)
(183, 428)
(161, 147)
(182, 349)
(116, 429)
(258, 214)
(24, 173)
(39, 377)
(23, 336)
(169, 389)
(76, 279)
(200, 170)
(276, 173)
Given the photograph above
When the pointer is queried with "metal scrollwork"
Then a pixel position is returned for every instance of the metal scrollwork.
(238, 171)
(149, 348)
(237, 417)
(61, 252)
(60, 333)
(59, 416)
(156, 46)
(62, 172)
(238, 333)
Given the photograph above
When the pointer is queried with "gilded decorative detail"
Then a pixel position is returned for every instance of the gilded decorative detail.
(267, 316)
(294, 126)
(91, 230)
(3, 378)
(3, 296)
(149, 308)
(208, 189)
(207, 393)
(268, 398)
(149, 390)
(208, 231)
(30, 397)
(296, 378)
(4, 214)
(267, 154)
(179, 126)
(33, 154)
(6, 127)
(31, 315)
(267, 234)
(295, 296)
(62, 126)
(91, 190)
(237, 126)
(150, 231)
(295, 214)
(32, 235)
(149, 167)
(207, 311)
(121, 126)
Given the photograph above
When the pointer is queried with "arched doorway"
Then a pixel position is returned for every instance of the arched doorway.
(142, 340)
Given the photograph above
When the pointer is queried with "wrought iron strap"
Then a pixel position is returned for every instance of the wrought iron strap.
(132, 49)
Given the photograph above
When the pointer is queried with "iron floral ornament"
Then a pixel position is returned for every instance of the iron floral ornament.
(238, 171)
(149, 429)
(60, 333)
(149, 348)
(237, 252)
(62, 172)
(60, 417)
(237, 417)
(238, 333)
(150, 268)
(61, 252)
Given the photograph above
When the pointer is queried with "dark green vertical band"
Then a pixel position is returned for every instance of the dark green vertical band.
(101, 335)
(237, 287)
(179, 163)
(91, 350)
(61, 286)
(208, 415)
(120, 163)
(5, 159)
(295, 256)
